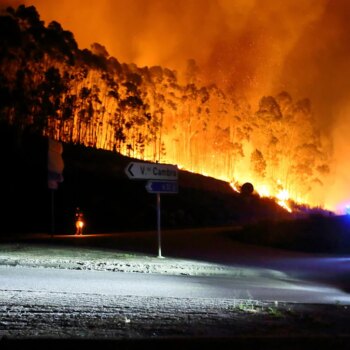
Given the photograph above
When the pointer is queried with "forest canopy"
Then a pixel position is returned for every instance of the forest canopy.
(51, 87)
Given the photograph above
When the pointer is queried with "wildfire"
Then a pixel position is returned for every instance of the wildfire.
(234, 186)
(181, 115)
(282, 200)
(281, 197)
(264, 191)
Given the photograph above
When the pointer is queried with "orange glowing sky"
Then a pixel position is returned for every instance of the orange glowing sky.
(257, 47)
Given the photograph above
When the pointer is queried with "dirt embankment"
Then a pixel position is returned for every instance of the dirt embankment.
(95, 181)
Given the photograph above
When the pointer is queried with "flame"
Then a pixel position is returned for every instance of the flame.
(281, 196)
(234, 186)
(246, 48)
(282, 199)
(264, 191)
(275, 191)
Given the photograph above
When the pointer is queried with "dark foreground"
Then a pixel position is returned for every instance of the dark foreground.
(187, 343)
(77, 317)
(139, 323)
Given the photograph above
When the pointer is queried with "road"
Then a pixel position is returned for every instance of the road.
(267, 287)
(329, 274)
(217, 245)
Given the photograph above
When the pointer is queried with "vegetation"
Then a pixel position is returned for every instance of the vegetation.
(95, 181)
(316, 233)
(87, 97)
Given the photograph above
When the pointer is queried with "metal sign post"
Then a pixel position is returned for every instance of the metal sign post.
(159, 187)
(52, 213)
(158, 225)
(162, 178)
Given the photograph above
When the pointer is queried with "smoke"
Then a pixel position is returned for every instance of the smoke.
(253, 47)
(319, 67)
(238, 43)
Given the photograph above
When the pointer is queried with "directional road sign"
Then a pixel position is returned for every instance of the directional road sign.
(151, 171)
(162, 187)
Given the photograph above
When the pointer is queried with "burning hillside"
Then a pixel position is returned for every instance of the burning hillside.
(227, 124)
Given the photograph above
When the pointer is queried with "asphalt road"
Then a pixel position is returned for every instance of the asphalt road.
(267, 288)
(217, 245)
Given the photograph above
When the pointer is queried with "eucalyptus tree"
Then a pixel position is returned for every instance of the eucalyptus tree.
(36, 65)
(311, 156)
(132, 109)
(158, 89)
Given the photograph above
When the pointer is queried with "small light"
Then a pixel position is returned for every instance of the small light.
(347, 209)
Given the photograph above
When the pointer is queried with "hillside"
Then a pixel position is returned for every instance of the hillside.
(87, 97)
(95, 181)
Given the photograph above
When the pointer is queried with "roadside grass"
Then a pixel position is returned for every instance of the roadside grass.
(315, 234)
(311, 317)
(256, 306)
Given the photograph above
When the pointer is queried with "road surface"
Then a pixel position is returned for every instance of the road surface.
(272, 287)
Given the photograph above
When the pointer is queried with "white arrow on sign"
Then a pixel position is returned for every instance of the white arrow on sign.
(151, 171)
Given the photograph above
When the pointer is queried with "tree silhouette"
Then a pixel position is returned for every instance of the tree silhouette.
(49, 86)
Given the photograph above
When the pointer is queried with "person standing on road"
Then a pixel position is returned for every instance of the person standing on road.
(79, 222)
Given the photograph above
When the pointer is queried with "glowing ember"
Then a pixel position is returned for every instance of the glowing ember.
(282, 200)
(264, 191)
(234, 186)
